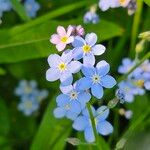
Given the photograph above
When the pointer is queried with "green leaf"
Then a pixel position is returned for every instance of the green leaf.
(52, 132)
(17, 6)
(147, 2)
(34, 42)
(4, 118)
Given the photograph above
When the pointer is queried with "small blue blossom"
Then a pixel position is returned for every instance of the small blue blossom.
(30, 96)
(83, 123)
(96, 78)
(120, 94)
(86, 49)
(5, 5)
(128, 89)
(91, 17)
(28, 105)
(31, 7)
(71, 101)
(26, 88)
(61, 67)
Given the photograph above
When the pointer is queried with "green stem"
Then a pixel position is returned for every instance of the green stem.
(133, 68)
(92, 120)
(135, 27)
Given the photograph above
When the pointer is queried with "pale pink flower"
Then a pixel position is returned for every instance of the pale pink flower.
(77, 30)
(62, 38)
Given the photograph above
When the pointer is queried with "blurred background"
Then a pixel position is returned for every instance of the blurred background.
(24, 48)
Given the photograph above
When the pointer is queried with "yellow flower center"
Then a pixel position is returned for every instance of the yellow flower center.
(86, 48)
(28, 89)
(139, 83)
(62, 66)
(122, 1)
(64, 39)
(28, 105)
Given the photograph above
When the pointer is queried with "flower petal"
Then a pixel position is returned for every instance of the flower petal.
(70, 40)
(77, 53)
(59, 112)
(80, 123)
(54, 60)
(102, 67)
(98, 49)
(91, 39)
(52, 74)
(88, 71)
(71, 115)
(62, 100)
(55, 39)
(104, 128)
(61, 31)
(101, 114)
(97, 91)
(66, 56)
(108, 81)
(78, 42)
(69, 30)
(66, 89)
(84, 83)
(75, 107)
(89, 59)
(129, 98)
(89, 135)
(74, 66)
(60, 46)
(66, 78)
(147, 85)
(83, 98)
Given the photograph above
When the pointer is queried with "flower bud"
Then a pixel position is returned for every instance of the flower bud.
(140, 46)
(145, 35)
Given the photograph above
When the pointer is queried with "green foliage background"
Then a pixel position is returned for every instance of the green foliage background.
(24, 48)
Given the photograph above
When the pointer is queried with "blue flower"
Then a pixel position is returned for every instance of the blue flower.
(62, 68)
(127, 64)
(5, 5)
(128, 88)
(83, 123)
(96, 78)
(71, 102)
(31, 7)
(86, 49)
(28, 105)
(91, 17)
(25, 88)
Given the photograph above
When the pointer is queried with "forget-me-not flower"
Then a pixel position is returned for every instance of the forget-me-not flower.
(30, 96)
(83, 123)
(96, 78)
(106, 4)
(31, 7)
(91, 17)
(76, 30)
(61, 67)
(62, 38)
(71, 101)
(28, 105)
(87, 48)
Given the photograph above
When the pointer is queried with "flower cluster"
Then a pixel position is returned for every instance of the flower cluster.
(30, 96)
(31, 7)
(78, 56)
(129, 4)
(137, 82)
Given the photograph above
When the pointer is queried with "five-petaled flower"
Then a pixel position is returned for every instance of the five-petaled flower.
(61, 67)
(96, 78)
(86, 49)
(83, 123)
(62, 38)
